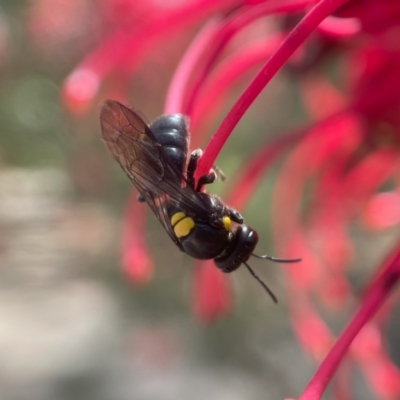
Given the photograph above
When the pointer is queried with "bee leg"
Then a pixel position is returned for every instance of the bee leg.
(140, 198)
(191, 168)
(206, 180)
(192, 165)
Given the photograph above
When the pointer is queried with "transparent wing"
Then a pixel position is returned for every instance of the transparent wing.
(135, 147)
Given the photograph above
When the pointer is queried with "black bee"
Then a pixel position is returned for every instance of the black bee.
(155, 158)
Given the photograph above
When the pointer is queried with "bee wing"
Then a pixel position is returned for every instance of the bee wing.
(141, 156)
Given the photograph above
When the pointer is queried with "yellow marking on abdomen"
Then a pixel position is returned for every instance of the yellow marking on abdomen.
(177, 217)
(183, 227)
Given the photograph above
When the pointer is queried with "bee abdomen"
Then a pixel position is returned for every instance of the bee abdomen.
(172, 133)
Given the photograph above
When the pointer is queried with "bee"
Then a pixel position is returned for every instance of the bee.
(155, 158)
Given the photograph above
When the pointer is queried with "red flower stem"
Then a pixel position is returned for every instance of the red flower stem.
(232, 25)
(224, 76)
(136, 260)
(176, 92)
(340, 28)
(127, 46)
(253, 169)
(377, 294)
(295, 38)
(249, 175)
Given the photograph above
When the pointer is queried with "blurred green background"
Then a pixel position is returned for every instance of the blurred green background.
(71, 325)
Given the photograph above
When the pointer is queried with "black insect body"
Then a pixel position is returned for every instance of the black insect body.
(172, 133)
(155, 158)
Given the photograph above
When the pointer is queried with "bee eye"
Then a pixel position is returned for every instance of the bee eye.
(251, 239)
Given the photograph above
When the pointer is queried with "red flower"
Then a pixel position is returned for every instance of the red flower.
(341, 168)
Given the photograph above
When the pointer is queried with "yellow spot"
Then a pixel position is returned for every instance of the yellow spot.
(227, 223)
(183, 227)
(177, 217)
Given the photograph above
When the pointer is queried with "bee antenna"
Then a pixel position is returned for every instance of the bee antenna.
(268, 290)
(278, 260)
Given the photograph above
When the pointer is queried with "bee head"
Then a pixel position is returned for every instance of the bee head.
(243, 243)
